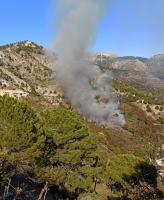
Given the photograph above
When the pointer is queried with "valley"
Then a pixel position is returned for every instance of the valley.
(45, 140)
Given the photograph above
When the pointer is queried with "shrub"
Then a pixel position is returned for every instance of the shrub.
(148, 109)
(157, 107)
(161, 108)
(161, 120)
(1, 62)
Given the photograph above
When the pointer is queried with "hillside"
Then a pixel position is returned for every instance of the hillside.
(46, 146)
(26, 71)
(143, 73)
(156, 64)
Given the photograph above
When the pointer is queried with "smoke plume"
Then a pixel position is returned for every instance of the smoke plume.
(85, 86)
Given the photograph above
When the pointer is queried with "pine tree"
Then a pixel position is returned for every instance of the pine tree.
(74, 161)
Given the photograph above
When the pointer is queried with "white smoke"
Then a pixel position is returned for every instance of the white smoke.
(88, 89)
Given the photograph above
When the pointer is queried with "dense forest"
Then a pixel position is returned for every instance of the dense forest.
(55, 154)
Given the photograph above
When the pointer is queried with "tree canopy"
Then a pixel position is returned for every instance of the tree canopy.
(58, 147)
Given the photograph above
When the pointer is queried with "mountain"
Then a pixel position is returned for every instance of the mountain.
(143, 73)
(26, 71)
(25, 67)
(156, 65)
(46, 148)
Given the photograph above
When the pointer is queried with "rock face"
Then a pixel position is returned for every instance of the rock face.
(25, 70)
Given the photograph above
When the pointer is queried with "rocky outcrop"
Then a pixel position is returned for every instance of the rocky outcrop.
(26, 70)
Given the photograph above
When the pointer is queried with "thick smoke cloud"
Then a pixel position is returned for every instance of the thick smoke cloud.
(85, 86)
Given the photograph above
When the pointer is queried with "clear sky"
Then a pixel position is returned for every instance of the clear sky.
(130, 27)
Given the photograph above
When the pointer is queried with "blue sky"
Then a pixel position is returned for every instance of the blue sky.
(130, 27)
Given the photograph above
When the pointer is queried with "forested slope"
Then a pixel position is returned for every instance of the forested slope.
(58, 148)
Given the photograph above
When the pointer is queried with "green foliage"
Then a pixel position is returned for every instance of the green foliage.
(132, 178)
(20, 46)
(3, 47)
(161, 120)
(29, 49)
(22, 136)
(145, 137)
(75, 160)
(132, 94)
(19, 126)
(61, 149)
(6, 168)
(120, 166)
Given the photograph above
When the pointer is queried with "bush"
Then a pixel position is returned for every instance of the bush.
(1, 62)
(157, 107)
(161, 120)
(148, 109)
